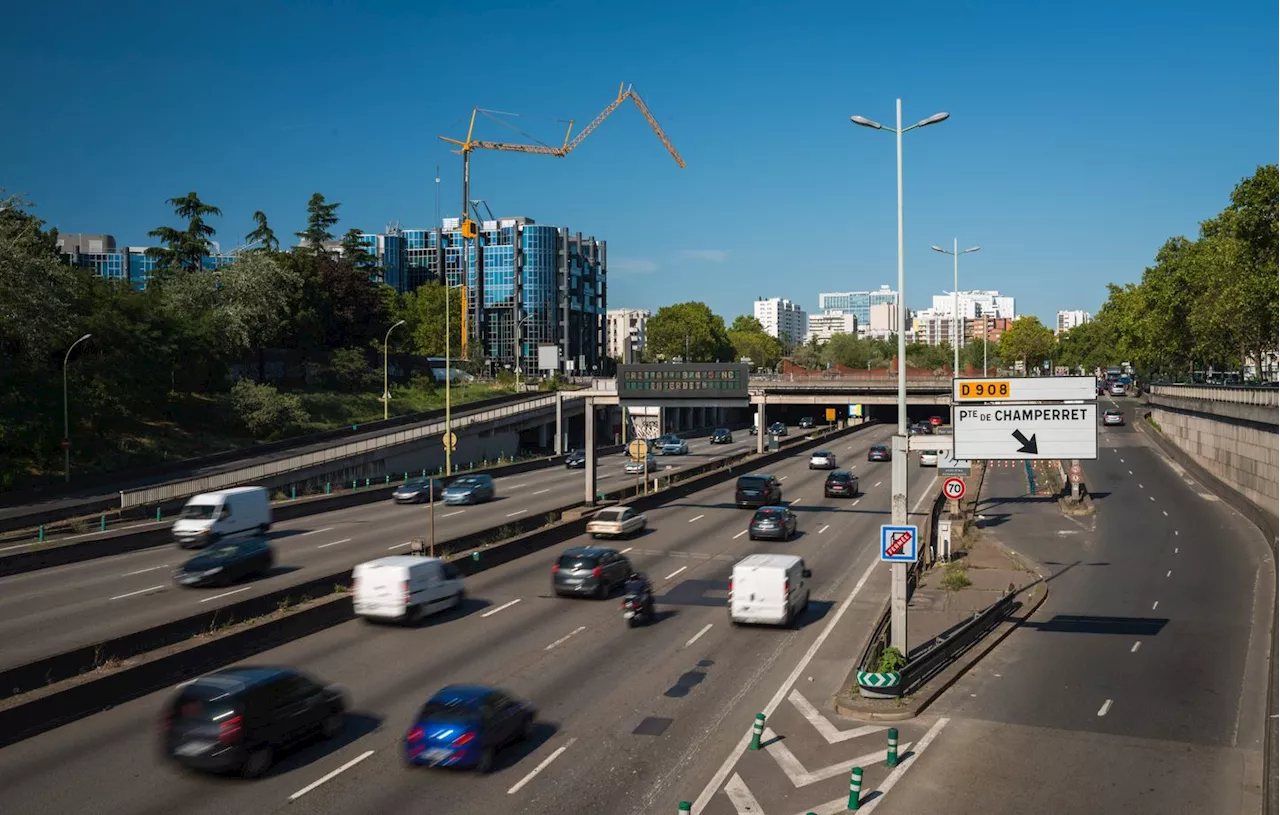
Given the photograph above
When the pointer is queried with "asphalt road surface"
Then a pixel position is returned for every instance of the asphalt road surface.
(44, 499)
(593, 680)
(53, 610)
(1139, 686)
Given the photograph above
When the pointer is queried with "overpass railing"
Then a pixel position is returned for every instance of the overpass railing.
(1259, 396)
(162, 493)
(848, 384)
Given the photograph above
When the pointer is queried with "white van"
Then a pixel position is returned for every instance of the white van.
(405, 588)
(768, 590)
(215, 515)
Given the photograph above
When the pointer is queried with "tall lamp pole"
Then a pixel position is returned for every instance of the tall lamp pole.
(386, 384)
(955, 298)
(66, 413)
(898, 586)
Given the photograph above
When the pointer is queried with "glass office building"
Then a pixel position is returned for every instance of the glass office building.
(857, 303)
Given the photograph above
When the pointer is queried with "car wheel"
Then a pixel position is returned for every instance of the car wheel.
(258, 762)
(602, 591)
(414, 615)
(332, 724)
(527, 732)
(458, 598)
(485, 764)
(750, 536)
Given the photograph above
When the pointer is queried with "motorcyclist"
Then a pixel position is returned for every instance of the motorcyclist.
(638, 585)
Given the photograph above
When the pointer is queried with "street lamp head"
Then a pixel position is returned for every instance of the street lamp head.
(85, 337)
(973, 249)
(934, 119)
(398, 324)
(865, 122)
(939, 249)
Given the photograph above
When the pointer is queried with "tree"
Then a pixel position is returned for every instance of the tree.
(1027, 341)
(749, 341)
(35, 289)
(808, 355)
(263, 410)
(689, 331)
(355, 251)
(1089, 345)
(321, 218)
(424, 315)
(745, 322)
(971, 355)
(262, 234)
(184, 248)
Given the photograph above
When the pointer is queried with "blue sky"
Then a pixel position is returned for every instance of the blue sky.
(1081, 135)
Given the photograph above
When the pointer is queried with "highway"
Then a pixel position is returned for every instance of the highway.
(53, 610)
(593, 680)
(1139, 686)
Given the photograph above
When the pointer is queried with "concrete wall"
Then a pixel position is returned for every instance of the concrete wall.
(1235, 440)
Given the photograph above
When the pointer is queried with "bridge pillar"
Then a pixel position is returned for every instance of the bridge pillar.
(560, 426)
(589, 422)
(761, 426)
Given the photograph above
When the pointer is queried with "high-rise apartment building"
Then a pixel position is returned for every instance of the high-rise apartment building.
(989, 328)
(935, 327)
(857, 303)
(823, 327)
(626, 333)
(1068, 320)
(975, 304)
(782, 318)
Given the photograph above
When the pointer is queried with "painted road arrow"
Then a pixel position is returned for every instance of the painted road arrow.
(1028, 445)
(800, 777)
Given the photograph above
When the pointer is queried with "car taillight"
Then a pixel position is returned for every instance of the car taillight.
(465, 738)
(786, 586)
(596, 572)
(404, 590)
(415, 735)
(731, 585)
(229, 730)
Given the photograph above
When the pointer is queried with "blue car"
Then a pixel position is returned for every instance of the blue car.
(470, 489)
(464, 726)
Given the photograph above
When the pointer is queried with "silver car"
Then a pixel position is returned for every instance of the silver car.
(640, 465)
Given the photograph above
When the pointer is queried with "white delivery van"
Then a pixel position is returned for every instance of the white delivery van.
(215, 515)
(405, 588)
(768, 590)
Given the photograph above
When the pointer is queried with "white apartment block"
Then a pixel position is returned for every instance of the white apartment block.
(823, 327)
(1068, 320)
(975, 304)
(934, 327)
(782, 318)
(626, 333)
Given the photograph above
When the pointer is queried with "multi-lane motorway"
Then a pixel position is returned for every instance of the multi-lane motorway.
(690, 680)
(56, 609)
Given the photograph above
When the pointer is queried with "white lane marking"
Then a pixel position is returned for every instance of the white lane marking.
(494, 611)
(546, 762)
(1153, 605)
(1122, 461)
(741, 798)
(717, 780)
(855, 503)
(225, 594)
(540, 492)
(1135, 647)
(451, 514)
(1153, 497)
(144, 571)
(1169, 573)
(824, 528)
(793, 503)
(878, 483)
(513, 486)
(1166, 512)
(628, 549)
(400, 545)
(676, 572)
(696, 518)
(823, 725)
(697, 636)
(1131, 472)
(1102, 711)
(1175, 531)
(784, 478)
(316, 531)
(565, 638)
(896, 776)
(353, 762)
(135, 593)
(517, 512)
(1175, 550)
(1141, 487)
(20, 546)
(740, 534)
(334, 543)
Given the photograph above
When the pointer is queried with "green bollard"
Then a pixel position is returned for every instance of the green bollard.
(406, 476)
(388, 478)
(328, 487)
(855, 789)
(293, 493)
(366, 483)
(102, 526)
(892, 759)
(475, 555)
(424, 472)
(757, 730)
(686, 808)
(41, 539)
(355, 485)
(157, 514)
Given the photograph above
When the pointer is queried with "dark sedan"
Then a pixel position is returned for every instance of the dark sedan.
(840, 484)
(226, 562)
(592, 570)
(772, 522)
(722, 436)
(417, 490)
(778, 429)
(879, 452)
(576, 460)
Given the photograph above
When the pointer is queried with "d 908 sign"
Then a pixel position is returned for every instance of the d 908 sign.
(984, 390)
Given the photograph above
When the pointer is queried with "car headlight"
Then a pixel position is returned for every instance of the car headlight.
(211, 572)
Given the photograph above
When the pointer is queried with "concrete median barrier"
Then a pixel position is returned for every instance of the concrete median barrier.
(65, 687)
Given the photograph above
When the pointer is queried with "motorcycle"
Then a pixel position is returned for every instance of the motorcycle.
(634, 612)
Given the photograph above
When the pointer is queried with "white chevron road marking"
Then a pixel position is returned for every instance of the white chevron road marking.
(830, 732)
(801, 777)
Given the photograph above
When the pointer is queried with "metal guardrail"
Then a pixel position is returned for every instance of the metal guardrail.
(944, 651)
(162, 493)
(1260, 396)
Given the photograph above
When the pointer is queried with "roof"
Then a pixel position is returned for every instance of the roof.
(242, 676)
(401, 561)
(771, 508)
(587, 551)
(461, 693)
(766, 562)
(231, 491)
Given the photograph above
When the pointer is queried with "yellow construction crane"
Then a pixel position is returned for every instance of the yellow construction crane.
(470, 229)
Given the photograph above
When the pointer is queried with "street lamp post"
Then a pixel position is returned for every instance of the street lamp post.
(66, 413)
(898, 504)
(386, 384)
(955, 298)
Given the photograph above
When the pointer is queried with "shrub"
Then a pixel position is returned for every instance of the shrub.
(349, 370)
(263, 410)
(891, 660)
(955, 577)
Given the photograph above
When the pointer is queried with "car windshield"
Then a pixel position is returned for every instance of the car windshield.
(452, 710)
(751, 483)
(838, 477)
(767, 515)
(877, 448)
(578, 562)
(416, 484)
(609, 515)
(198, 512)
(722, 431)
(222, 552)
(467, 481)
(822, 454)
(575, 453)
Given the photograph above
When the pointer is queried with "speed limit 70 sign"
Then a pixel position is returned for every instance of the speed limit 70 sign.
(953, 488)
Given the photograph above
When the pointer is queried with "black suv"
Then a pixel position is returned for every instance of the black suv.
(757, 491)
(237, 719)
(722, 436)
(806, 422)
(575, 460)
(840, 484)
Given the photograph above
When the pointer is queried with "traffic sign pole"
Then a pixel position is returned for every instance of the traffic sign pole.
(898, 571)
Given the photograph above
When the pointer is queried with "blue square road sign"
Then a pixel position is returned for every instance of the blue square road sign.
(899, 544)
